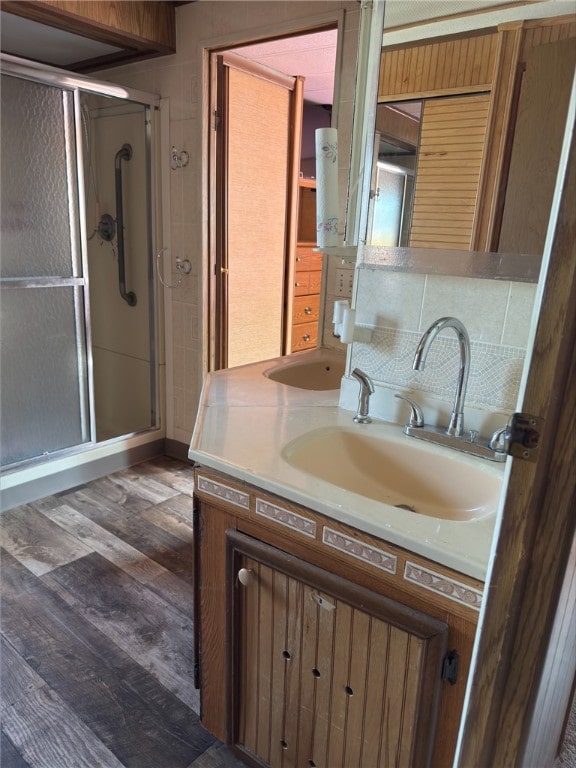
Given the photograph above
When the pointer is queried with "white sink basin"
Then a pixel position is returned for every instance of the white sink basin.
(400, 472)
(320, 373)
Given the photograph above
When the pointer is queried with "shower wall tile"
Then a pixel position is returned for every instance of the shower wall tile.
(184, 368)
(479, 304)
(184, 318)
(183, 413)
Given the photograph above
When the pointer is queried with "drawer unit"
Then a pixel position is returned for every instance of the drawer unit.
(304, 336)
(305, 309)
(306, 274)
(307, 259)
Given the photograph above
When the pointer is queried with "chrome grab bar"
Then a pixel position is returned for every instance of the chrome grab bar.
(124, 153)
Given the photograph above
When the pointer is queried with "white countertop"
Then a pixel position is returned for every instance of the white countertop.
(244, 421)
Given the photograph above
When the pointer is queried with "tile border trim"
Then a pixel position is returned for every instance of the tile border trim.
(222, 491)
(443, 585)
(286, 517)
(378, 558)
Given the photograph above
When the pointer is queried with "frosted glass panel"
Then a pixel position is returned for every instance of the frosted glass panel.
(38, 185)
(43, 391)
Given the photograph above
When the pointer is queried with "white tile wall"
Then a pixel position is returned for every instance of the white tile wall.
(394, 309)
(180, 78)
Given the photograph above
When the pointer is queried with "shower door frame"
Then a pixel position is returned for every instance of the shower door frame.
(77, 84)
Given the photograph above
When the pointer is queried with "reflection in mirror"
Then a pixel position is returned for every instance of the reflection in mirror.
(459, 118)
(395, 152)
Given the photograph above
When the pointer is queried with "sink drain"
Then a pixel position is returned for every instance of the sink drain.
(407, 507)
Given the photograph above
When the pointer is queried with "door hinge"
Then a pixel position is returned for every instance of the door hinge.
(523, 436)
(217, 124)
(450, 667)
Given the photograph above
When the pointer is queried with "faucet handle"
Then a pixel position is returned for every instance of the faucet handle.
(499, 440)
(416, 415)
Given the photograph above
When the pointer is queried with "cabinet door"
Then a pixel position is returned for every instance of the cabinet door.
(323, 672)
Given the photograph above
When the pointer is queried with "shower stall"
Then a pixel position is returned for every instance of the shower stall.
(78, 340)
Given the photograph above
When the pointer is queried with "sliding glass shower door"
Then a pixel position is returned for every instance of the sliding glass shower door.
(78, 360)
(45, 383)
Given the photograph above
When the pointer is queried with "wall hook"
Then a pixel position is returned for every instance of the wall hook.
(178, 159)
(159, 273)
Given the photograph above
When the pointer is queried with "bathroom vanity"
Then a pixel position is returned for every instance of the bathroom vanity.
(331, 628)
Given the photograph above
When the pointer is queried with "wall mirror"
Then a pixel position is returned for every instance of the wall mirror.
(468, 122)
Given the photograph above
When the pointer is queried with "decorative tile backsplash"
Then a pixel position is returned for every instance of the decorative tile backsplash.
(393, 309)
(494, 374)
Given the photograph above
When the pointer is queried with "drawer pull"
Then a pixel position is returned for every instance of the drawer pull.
(306, 337)
(307, 310)
(298, 285)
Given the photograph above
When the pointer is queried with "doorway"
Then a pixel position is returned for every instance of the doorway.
(254, 187)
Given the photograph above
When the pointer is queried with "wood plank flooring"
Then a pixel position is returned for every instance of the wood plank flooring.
(96, 651)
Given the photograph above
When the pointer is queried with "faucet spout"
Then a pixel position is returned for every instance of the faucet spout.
(456, 424)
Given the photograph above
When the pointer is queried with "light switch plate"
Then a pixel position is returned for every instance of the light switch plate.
(343, 282)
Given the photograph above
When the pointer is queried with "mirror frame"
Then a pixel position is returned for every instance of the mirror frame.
(456, 263)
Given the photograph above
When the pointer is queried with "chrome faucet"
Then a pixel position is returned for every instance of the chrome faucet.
(453, 435)
(366, 389)
(456, 425)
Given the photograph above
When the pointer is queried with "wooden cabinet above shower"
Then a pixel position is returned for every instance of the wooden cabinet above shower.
(137, 30)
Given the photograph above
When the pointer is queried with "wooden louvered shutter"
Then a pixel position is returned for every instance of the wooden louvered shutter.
(452, 143)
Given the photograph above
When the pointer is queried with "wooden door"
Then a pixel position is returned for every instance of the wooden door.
(317, 680)
(257, 150)
(537, 522)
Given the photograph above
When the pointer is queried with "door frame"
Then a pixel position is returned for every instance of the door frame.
(537, 522)
(298, 27)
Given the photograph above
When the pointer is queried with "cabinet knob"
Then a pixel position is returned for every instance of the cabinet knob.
(245, 577)
(307, 310)
(306, 337)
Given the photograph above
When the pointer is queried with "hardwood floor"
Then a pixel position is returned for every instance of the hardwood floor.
(96, 650)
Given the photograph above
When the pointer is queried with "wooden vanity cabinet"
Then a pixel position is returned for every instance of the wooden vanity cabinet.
(324, 672)
(331, 648)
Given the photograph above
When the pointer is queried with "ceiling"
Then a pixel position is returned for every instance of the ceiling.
(312, 55)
